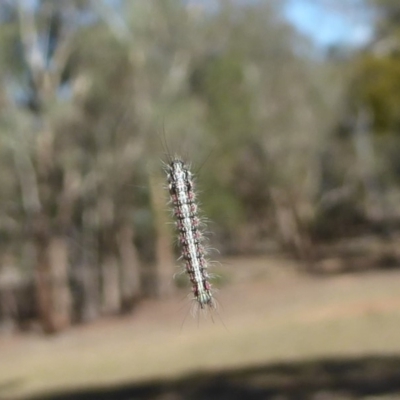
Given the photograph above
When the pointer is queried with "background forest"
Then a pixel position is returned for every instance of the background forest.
(295, 148)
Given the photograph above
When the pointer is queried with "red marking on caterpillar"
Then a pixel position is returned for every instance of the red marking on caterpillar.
(190, 237)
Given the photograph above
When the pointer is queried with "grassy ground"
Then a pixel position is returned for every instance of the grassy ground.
(269, 316)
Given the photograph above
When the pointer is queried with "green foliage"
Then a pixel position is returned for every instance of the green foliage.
(376, 70)
(388, 15)
(223, 88)
(378, 88)
(11, 58)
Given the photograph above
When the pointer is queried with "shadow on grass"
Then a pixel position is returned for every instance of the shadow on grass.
(10, 384)
(325, 379)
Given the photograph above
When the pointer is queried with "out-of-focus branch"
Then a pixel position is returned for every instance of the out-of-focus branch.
(29, 37)
(60, 57)
(113, 20)
(47, 80)
(28, 182)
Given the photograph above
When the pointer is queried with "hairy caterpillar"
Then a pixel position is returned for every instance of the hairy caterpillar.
(190, 236)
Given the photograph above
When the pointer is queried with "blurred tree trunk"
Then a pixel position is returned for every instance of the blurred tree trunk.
(90, 281)
(109, 265)
(89, 272)
(165, 265)
(111, 283)
(130, 272)
(51, 271)
(51, 278)
(9, 281)
(366, 162)
(290, 230)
